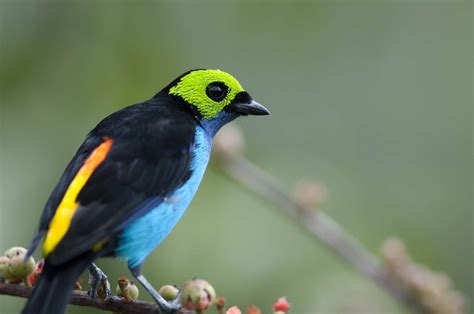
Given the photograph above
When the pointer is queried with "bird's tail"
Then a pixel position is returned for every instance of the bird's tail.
(54, 287)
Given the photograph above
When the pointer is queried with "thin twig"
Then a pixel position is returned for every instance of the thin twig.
(80, 298)
(318, 224)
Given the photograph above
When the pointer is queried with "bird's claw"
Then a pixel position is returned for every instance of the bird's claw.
(173, 305)
(99, 285)
(170, 307)
(176, 302)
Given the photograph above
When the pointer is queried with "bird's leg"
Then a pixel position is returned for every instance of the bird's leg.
(97, 277)
(164, 305)
(176, 302)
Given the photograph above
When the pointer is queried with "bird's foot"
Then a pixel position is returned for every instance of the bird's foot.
(170, 307)
(175, 303)
(98, 283)
(165, 306)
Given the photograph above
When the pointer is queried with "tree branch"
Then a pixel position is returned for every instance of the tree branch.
(80, 298)
(228, 151)
(318, 224)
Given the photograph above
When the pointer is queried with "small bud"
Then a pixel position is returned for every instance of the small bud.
(133, 291)
(78, 286)
(4, 268)
(127, 289)
(228, 143)
(168, 292)
(34, 275)
(122, 284)
(281, 305)
(253, 309)
(197, 295)
(234, 310)
(394, 254)
(18, 267)
(309, 194)
(220, 304)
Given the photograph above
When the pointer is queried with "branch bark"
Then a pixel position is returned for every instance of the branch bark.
(80, 298)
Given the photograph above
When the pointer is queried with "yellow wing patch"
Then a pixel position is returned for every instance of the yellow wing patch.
(66, 209)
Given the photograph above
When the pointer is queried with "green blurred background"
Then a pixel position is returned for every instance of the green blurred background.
(371, 98)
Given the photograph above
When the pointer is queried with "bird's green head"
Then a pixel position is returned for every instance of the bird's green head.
(212, 93)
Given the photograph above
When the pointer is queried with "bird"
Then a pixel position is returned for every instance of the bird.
(130, 182)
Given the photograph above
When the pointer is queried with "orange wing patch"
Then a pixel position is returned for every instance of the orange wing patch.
(66, 209)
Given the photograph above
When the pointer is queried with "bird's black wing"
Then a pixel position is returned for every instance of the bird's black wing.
(56, 196)
(149, 158)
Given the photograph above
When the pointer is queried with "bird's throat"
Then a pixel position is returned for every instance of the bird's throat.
(211, 126)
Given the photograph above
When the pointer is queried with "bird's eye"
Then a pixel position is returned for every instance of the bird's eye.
(217, 91)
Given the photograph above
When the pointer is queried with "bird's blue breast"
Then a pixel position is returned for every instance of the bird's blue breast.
(141, 236)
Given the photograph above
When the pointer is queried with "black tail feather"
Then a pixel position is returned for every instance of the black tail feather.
(34, 243)
(54, 288)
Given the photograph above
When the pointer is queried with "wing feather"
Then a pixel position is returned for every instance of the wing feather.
(147, 162)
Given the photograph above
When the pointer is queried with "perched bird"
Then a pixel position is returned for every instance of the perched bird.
(130, 182)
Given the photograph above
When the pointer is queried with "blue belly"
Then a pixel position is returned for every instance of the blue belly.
(140, 237)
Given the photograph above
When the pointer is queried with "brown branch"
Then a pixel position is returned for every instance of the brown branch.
(318, 224)
(80, 298)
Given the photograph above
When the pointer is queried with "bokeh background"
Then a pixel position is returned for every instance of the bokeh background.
(373, 98)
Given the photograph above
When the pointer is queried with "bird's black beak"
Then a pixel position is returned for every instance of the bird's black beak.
(251, 108)
(243, 104)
